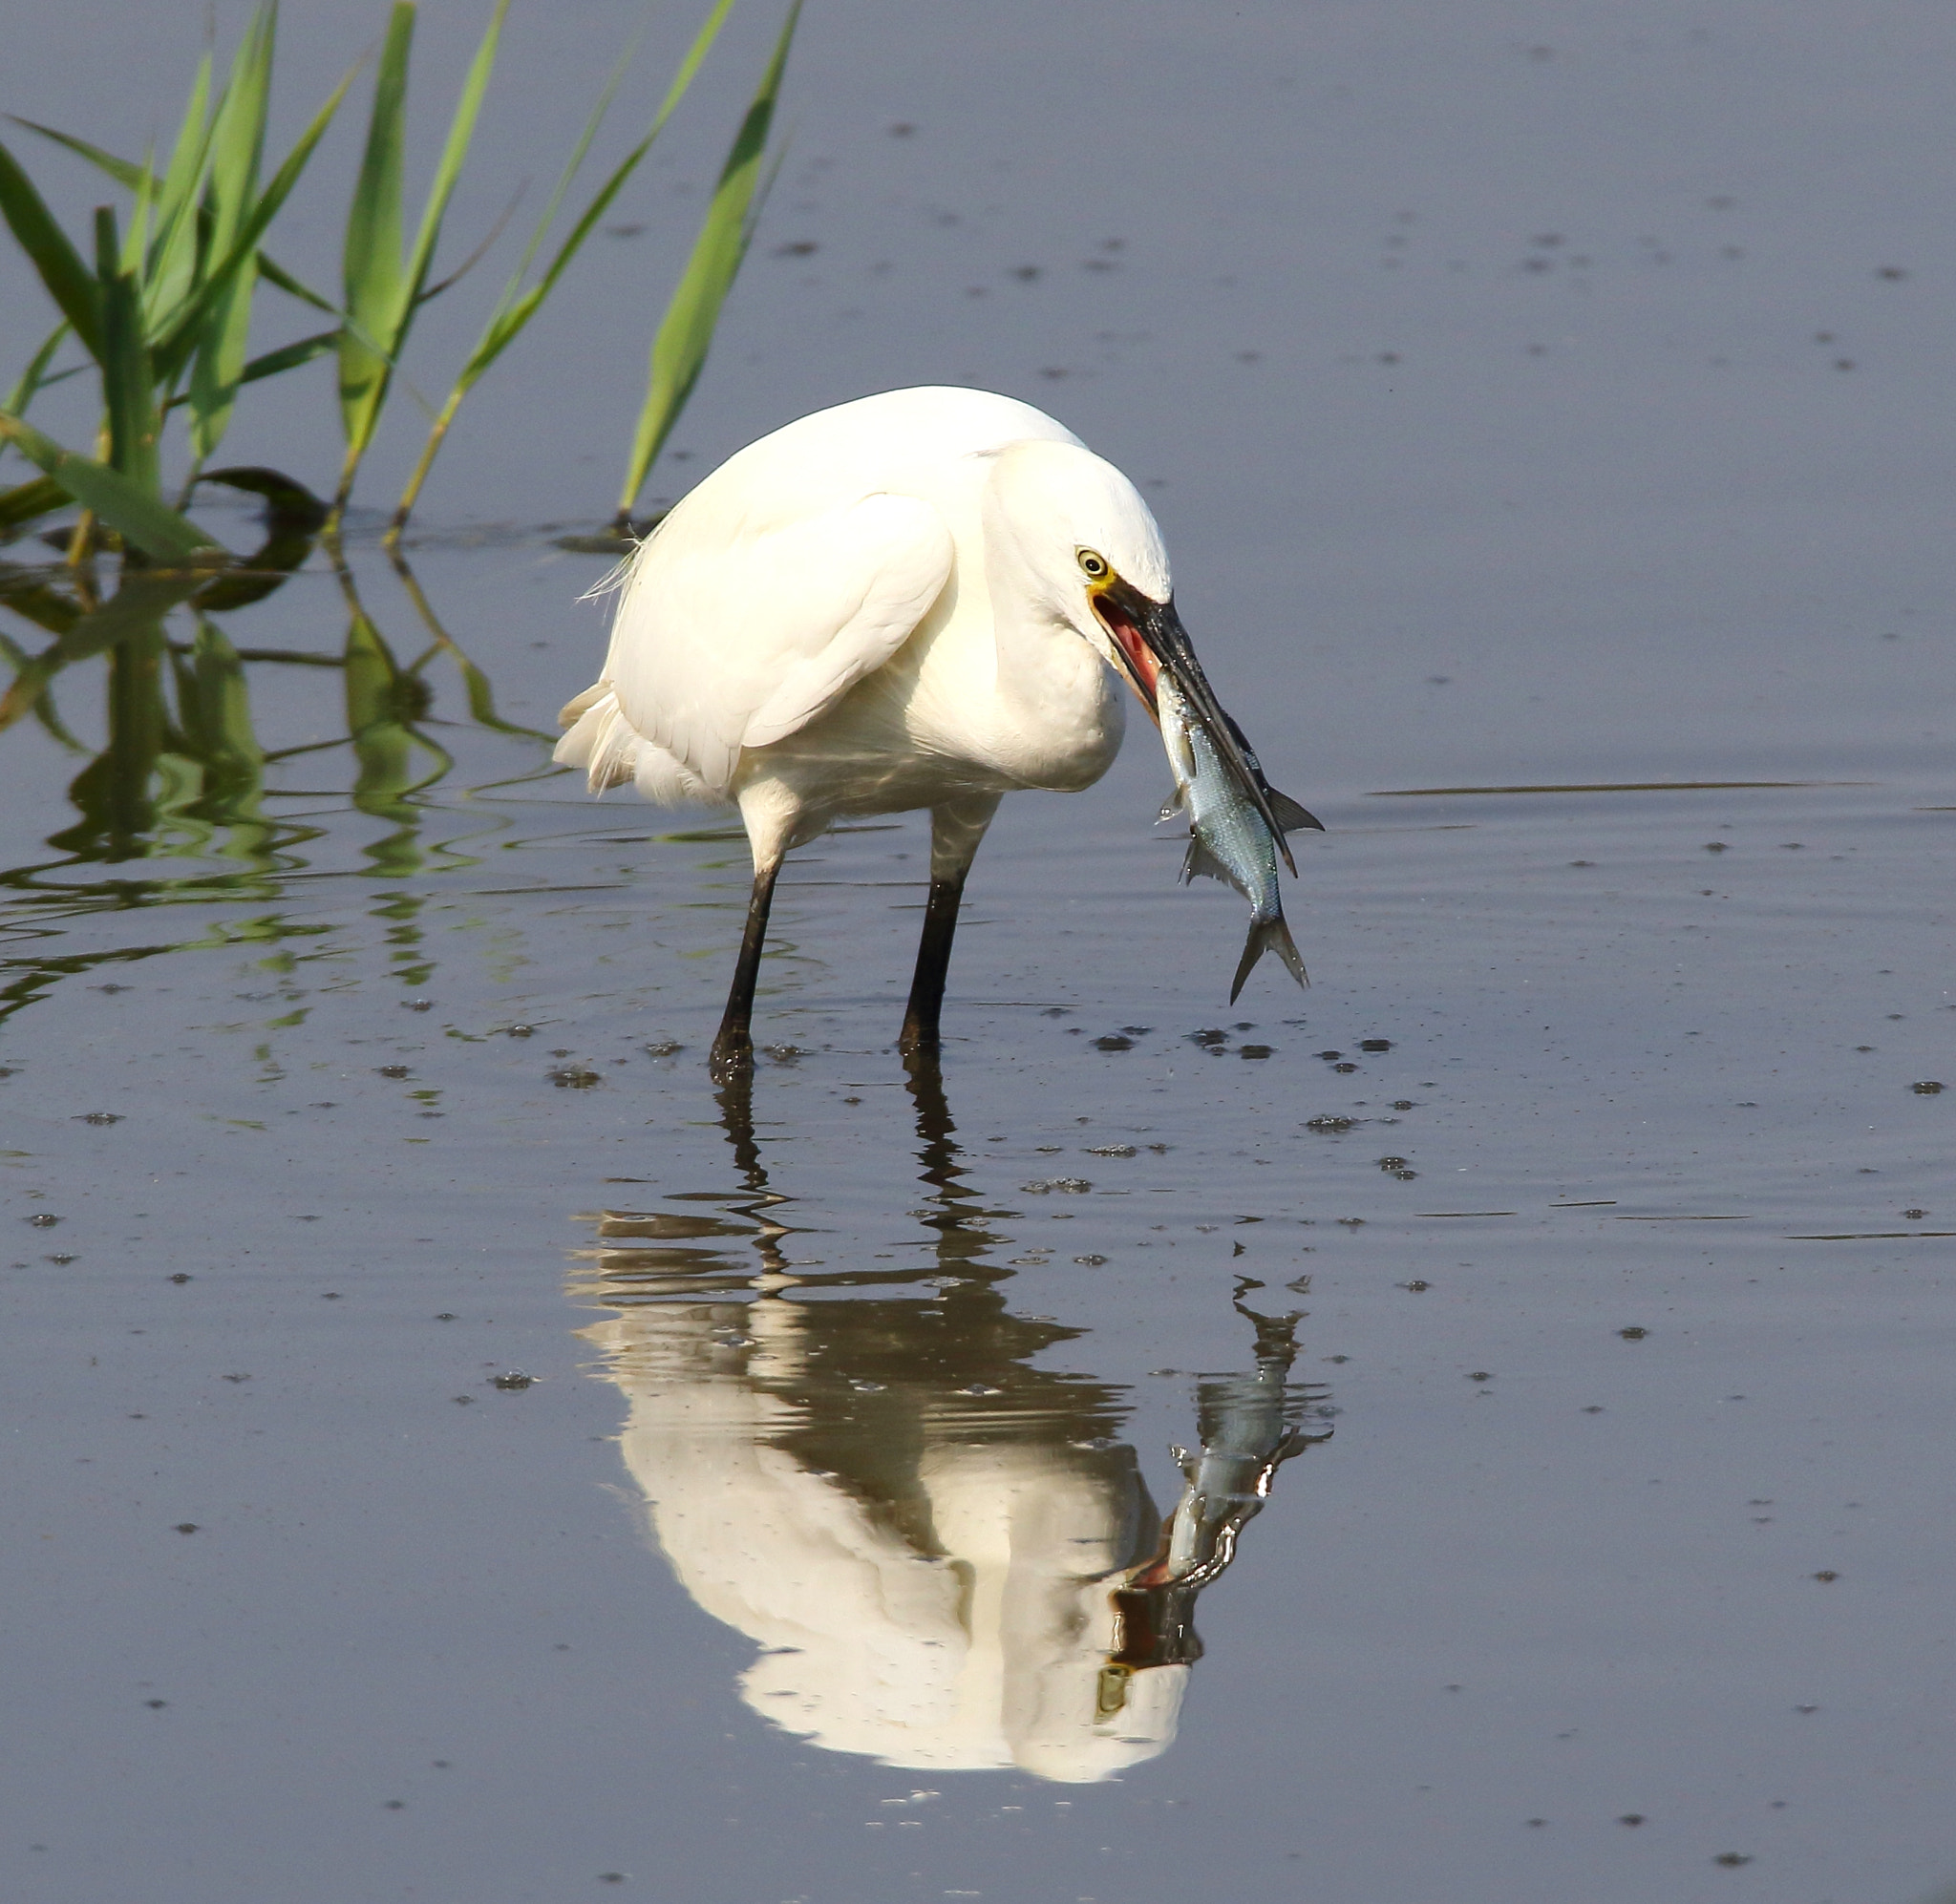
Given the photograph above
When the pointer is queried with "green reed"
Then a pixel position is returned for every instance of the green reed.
(161, 300)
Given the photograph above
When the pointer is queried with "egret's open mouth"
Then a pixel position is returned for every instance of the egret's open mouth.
(1115, 607)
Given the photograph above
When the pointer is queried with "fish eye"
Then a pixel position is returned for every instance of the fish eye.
(1092, 565)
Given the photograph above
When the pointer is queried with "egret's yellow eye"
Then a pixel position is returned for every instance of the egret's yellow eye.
(1092, 566)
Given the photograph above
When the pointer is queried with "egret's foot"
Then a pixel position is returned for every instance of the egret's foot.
(732, 1058)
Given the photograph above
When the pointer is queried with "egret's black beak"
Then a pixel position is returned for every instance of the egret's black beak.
(1151, 642)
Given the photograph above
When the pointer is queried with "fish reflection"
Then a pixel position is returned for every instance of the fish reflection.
(949, 1556)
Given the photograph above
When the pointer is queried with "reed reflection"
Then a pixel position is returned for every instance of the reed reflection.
(949, 1555)
(180, 799)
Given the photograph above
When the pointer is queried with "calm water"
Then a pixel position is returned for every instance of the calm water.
(456, 1453)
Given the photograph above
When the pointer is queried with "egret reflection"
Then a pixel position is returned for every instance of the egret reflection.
(948, 1554)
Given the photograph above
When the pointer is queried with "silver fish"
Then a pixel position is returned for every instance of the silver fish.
(1229, 838)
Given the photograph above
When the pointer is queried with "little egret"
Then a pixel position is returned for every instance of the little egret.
(921, 599)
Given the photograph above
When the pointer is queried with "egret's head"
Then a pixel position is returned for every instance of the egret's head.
(1082, 545)
(1076, 540)
(1086, 549)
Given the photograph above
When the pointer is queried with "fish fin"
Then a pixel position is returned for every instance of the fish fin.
(1289, 816)
(1271, 936)
(1200, 862)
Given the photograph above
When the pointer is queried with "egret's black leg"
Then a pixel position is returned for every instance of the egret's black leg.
(933, 963)
(734, 1048)
(956, 827)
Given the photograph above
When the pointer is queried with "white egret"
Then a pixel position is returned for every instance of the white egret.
(918, 600)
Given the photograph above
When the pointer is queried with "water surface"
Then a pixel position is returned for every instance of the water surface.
(595, 1479)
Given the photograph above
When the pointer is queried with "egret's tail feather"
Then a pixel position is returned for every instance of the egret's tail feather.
(574, 711)
(1272, 935)
(611, 752)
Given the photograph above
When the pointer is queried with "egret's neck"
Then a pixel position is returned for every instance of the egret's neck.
(1057, 710)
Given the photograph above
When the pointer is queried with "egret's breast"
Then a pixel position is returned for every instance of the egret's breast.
(1035, 707)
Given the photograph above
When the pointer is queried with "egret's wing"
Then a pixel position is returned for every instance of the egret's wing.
(726, 641)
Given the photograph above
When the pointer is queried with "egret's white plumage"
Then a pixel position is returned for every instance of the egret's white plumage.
(900, 602)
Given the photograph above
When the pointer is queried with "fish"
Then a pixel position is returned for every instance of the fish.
(1230, 838)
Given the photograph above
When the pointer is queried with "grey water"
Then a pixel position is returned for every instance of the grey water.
(455, 1451)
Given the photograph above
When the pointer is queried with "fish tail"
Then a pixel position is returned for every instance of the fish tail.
(1270, 935)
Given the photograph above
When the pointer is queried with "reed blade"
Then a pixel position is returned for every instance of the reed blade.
(128, 377)
(236, 149)
(520, 302)
(178, 337)
(448, 171)
(133, 512)
(67, 279)
(36, 375)
(679, 351)
(370, 260)
(384, 291)
(173, 256)
(28, 501)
